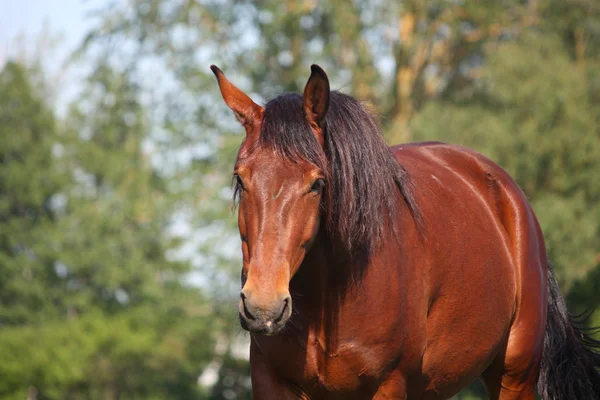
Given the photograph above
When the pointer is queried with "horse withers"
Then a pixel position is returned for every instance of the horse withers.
(372, 272)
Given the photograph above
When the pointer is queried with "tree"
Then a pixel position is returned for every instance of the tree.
(92, 307)
(30, 200)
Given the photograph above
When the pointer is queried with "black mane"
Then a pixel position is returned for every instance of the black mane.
(363, 177)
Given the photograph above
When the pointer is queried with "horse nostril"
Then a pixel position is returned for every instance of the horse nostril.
(286, 305)
(247, 312)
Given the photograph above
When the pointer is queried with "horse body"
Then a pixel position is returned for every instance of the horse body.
(411, 271)
(432, 334)
(486, 258)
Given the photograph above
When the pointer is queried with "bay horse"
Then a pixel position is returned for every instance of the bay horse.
(408, 272)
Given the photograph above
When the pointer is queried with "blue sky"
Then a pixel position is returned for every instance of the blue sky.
(54, 27)
(65, 19)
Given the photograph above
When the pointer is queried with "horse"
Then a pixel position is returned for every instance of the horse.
(376, 272)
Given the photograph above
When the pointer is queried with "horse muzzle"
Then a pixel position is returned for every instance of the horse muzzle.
(267, 318)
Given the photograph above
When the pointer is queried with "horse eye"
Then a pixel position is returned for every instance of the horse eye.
(238, 182)
(317, 185)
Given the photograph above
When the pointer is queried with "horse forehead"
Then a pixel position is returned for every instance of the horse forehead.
(276, 171)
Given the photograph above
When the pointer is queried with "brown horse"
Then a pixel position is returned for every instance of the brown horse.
(378, 273)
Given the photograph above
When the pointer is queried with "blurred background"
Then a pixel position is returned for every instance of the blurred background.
(119, 252)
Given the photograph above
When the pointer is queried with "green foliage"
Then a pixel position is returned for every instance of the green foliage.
(91, 307)
(127, 356)
(29, 179)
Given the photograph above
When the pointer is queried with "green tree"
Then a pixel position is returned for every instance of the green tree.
(92, 307)
(30, 201)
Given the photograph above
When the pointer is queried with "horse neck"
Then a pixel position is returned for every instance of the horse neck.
(329, 279)
(326, 277)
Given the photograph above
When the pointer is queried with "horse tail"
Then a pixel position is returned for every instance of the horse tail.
(571, 356)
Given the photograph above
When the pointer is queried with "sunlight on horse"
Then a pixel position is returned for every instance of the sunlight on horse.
(390, 273)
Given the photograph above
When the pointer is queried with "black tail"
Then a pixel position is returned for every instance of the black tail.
(571, 357)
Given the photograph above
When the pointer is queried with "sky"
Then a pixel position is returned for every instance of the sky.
(50, 28)
(65, 19)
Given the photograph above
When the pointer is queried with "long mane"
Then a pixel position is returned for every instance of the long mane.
(364, 179)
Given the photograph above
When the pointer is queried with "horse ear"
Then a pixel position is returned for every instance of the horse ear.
(246, 111)
(316, 100)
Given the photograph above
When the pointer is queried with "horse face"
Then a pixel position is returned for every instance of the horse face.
(278, 219)
(278, 202)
